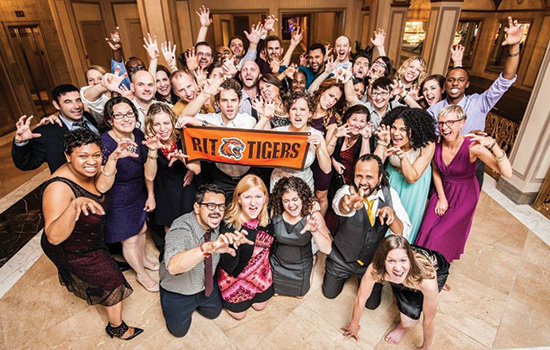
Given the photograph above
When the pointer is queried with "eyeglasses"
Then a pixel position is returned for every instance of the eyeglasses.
(133, 69)
(449, 123)
(381, 94)
(381, 64)
(119, 116)
(212, 206)
(204, 54)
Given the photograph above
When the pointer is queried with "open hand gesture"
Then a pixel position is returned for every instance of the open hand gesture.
(255, 33)
(383, 133)
(86, 206)
(125, 148)
(269, 22)
(191, 60)
(177, 155)
(354, 200)
(169, 53)
(386, 215)
(51, 119)
(514, 32)
(151, 45)
(152, 142)
(457, 53)
(351, 331)
(397, 87)
(297, 36)
(379, 37)
(367, 131)
(204, 16)
(112, 81)
(312, 224)
(342, 130)
(229, 69)
(114, 41)
(221, 244)
(24, 132)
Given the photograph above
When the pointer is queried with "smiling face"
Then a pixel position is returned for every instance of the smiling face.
(163, 83)
(357, 122)
(274, 49)
(143, 86)
(432, 92)
(397, 265)
(450, 133)
(85, 160)
(162, 126)
(380, 98)
(299, 114)
(70, 105)
(330, 97)
(268, 91)
(252, 203)
(93, 77)
(127, 122)
(360, 67)
(412, 72)
(298, 82)
(342, 48)
(400, 134)
(250, 73)
(292, 204)
(210, 218)
(237, 47)
(229, 104)
(185, 87)
(204, 53)
(359, 89)
(367, 176)
(456, 84)
(316, 60)
(378, 68)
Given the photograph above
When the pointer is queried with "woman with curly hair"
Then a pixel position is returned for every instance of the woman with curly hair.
(416, 276)
(411, 72)
(300, 106)
(294, 225)
(407, 138)
(329, 101)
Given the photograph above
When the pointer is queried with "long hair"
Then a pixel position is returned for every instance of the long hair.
(156, 108)
(419, 123)
(338, 106)
(285, 185)
(400, 74)
(173, 97)
(233, 213)
(421, 268)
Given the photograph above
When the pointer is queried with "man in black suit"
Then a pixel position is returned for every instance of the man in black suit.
(45, 143)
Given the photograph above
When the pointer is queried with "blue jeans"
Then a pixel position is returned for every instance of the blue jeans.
(178, 308)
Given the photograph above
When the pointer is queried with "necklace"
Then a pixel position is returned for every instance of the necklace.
(350, 142)
(130, 148)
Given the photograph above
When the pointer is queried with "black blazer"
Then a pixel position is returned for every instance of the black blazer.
(47, 148)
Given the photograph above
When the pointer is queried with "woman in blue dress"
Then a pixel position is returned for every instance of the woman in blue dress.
(407, 139)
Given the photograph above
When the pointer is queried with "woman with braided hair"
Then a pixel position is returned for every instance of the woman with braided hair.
(407, 138)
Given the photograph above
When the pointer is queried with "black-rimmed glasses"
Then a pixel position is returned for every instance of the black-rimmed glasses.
(212, 206)
(449, 123)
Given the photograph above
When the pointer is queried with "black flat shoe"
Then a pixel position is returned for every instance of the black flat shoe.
(120, 330)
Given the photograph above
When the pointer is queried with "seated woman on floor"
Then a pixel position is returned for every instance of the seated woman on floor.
(74, 227)
(416, 276)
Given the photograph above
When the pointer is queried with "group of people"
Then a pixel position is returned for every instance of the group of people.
(388, 190)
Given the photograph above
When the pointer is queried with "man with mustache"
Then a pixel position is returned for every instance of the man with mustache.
(366, 210)
(191, 255)
(31, 149)
(249, 76)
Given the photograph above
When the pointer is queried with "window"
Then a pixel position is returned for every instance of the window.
(499, 53)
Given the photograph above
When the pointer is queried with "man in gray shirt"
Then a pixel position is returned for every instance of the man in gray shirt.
(191, 254)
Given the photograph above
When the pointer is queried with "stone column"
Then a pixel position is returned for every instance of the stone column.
(530, 156)
(444, 16)
(391, 16)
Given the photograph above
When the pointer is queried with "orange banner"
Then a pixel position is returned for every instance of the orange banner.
(259, 148)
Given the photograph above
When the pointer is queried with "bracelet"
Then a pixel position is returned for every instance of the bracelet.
(106, 173)
(382, 143)
(152, 157)
(513, 54)
(502, 157)
(492, 144)
(204, 253)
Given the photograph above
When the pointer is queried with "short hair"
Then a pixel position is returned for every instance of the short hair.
(63, 89)
(291, 99)
(156, 108)
(317, 46)
(203, 189)
(285, 185)
(453, 109)
(180, 73)
(234, 38)
(357, 109)
(204, 43)
(79, 137)
(108, 110)
(381, 171)
(462, 69)
(273, 38)
(96, 67)
(361, 54)
(388, 62)
(231, 84)
(383, 83)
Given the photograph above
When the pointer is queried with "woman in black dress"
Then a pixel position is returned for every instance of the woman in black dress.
(416, 276)
(294, 226)
(74, 228)
(174, 185)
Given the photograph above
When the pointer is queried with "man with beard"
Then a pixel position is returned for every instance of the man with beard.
(31, 149)
(360, 66)
(143, 86)
(273, 50)
(249, 75)
(477, 106)
(191, 255)
(366, 210)
(205, 54)
(342, 48)
(228, 96)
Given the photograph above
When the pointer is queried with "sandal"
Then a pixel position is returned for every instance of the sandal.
(120, 330)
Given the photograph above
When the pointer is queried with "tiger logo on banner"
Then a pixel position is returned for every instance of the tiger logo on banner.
(260, 148)
(232, 148)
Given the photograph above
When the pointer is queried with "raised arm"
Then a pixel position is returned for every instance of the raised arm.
(169, 53)
(457, 53)
(297, 36)
(487, 149)
(513, 38)
(378, 42)
(151, 45)
(351, 97)
(205, 20)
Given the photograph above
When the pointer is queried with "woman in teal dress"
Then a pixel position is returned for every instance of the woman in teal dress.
(407, 140)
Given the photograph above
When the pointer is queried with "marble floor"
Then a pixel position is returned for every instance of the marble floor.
(499, 300)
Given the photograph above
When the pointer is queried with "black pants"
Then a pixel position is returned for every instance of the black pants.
(226, 182)
(337, 272)
(480, 171)
(178, 308)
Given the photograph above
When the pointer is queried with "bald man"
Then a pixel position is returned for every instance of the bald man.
(342, 49)
(249, 76)
(144, 88)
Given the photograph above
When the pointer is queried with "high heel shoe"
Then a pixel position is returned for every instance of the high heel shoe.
(153, 289)
(120, 330)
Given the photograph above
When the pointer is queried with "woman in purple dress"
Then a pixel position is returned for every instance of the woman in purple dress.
(452, 205)
(132, 196)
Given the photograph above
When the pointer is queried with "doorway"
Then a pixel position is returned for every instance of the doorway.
(94, 36)
(29, 49)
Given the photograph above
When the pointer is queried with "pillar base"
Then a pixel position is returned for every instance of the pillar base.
(514, 194)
